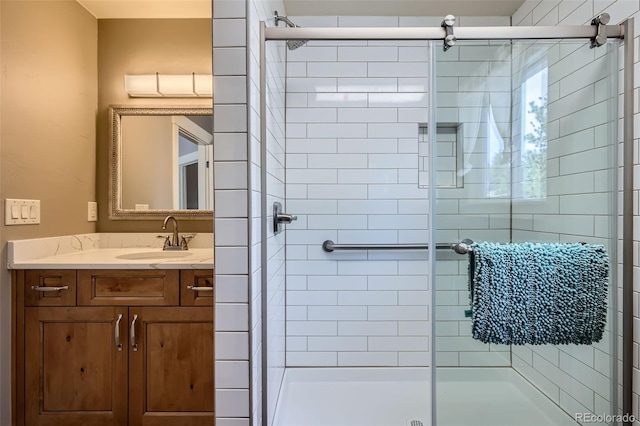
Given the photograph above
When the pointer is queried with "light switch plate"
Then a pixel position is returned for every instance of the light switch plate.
(92, 211)
(21, 212)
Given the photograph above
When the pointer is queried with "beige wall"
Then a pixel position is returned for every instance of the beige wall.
(49, 105)
(148, 133)
(48, 108)
(145, 46)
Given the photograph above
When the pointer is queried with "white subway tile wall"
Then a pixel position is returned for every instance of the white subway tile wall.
(578, 202)
(275, 178)
(352, 177)
(237, 168)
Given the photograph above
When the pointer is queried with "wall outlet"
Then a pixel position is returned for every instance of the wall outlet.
(21, 212)
(92, 211)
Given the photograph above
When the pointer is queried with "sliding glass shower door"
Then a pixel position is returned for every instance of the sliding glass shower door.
(521, 148)
(358, 292)
(532, 159)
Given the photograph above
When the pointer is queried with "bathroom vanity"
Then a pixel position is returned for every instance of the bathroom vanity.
(114, 336)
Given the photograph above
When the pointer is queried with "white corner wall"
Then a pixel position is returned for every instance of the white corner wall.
(237, 171)
(230, 140)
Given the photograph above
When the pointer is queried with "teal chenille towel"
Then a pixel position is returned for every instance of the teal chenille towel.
(538, 293)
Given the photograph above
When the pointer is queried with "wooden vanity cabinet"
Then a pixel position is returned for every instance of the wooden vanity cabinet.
(129, 348)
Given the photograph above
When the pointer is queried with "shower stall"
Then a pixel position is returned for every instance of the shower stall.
(385, 153)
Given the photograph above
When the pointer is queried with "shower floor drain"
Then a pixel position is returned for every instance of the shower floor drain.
(414, 422)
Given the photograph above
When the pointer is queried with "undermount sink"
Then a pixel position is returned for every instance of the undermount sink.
(160, 255)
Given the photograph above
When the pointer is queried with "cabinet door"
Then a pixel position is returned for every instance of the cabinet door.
(74, 372)
(171, 367)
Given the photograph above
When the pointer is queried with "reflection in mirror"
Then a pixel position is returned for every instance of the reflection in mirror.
(162, 162)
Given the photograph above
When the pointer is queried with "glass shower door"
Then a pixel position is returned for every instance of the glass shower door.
(358, 326)
(533, 160)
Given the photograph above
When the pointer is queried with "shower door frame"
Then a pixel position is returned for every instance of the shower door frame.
(625, 31)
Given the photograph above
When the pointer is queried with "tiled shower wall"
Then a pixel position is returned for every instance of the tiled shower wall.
(345, 86)
(274, 268)
(578, 198)
(237, 166)
(353, 110)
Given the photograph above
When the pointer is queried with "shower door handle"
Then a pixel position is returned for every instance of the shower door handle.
(279, 218)
(286, 218)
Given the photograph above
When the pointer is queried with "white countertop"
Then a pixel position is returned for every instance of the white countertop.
(108, 251)
(123, 258)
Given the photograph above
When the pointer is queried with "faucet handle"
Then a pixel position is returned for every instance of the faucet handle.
(185, 240)
(166, 241)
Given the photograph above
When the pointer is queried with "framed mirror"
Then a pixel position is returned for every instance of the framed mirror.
(161, 162)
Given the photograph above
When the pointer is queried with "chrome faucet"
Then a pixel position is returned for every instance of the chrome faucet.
(175, 243)
(174, 237)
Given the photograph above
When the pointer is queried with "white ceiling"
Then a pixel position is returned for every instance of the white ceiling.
(121, 9)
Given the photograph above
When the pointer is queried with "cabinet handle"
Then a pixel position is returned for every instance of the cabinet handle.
(134, 345)
(117, 332)
(43, 289)
(196, 288)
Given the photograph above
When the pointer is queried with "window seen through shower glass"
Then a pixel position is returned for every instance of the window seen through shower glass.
(498, 160)
(533, 150)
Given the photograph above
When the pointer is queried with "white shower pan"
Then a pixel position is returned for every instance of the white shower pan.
(399, 397)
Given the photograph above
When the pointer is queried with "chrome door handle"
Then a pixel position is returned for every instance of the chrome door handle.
(45, 289)
(117, 332)
(196, 288)
(132, 333)
(285, 218)
(279, 217)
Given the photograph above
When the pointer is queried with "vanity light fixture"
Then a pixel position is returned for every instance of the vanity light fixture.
(169, 86)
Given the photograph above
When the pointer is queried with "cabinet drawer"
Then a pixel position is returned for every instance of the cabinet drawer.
(40, 287)
(128, 287)
(190, 281)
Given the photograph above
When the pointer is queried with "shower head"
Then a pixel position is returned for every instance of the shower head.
(291, 44)
(294, 44)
